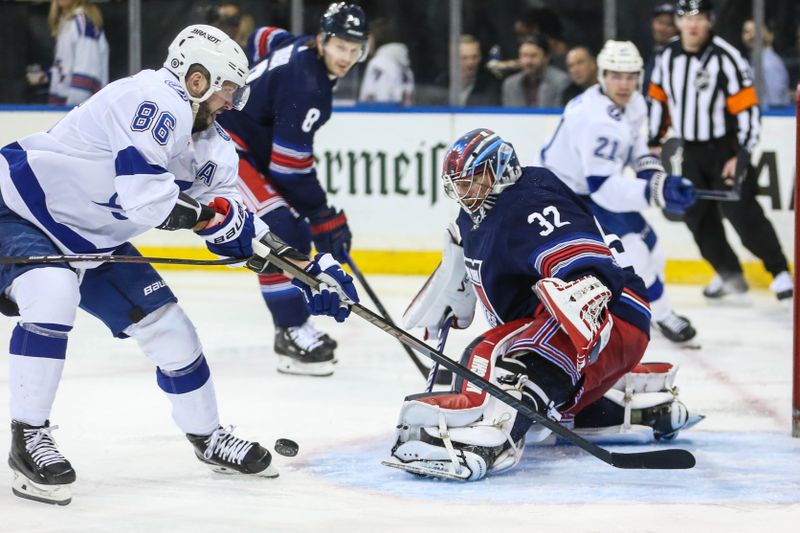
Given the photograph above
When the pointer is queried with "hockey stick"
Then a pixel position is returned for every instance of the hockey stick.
(732, 195)
(443, 331)
(656, 459)
(88, 258)
(444, 377)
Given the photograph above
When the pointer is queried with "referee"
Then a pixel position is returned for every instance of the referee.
(702, 87)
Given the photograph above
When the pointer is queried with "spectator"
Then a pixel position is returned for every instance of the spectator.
(663, 30)
(80, 67)
(776, 77)
(582, 70)
(388, 77)
(478, 86)
(543, 21)
(228, 17)
(538, 84)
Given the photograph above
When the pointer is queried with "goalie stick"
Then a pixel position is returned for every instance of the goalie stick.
(656, 459)
(89, 258)
(443, 377)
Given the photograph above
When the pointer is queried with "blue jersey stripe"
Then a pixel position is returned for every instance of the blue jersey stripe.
(130, 162)
(32, 194)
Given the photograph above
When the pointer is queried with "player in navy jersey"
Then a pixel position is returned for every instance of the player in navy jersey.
(292, 83)
(569, 321)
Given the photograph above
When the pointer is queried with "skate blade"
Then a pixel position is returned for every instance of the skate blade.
(270, 472)
(426, 471)
(53, 494)
(287, 365)
(731, 300)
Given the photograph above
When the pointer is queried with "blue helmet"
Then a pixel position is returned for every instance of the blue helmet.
(477, 164)
(346, 21)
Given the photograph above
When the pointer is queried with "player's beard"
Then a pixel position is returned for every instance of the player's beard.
(203, 119)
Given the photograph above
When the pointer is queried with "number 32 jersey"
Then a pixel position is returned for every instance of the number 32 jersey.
(538, 228)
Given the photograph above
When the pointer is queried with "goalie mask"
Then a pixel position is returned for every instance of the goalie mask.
(212, 49)
(479, 163)
(618, 56)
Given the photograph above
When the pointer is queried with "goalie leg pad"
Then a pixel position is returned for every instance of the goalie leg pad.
(465, 433)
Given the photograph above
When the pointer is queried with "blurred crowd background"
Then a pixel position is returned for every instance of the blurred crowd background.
(512, 53)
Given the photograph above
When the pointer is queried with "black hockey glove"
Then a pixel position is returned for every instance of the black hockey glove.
(186, 214)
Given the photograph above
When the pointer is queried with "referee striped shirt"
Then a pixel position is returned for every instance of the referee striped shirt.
(704, 95)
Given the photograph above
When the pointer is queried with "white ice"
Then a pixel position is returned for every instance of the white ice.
(136, 472)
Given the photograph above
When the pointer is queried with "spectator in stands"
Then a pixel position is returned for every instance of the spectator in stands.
(80, 67)
(538, 84)
(663, 30)
(582, 70)
(228, 17)
(776, 77)
(792, 62)
(388, 76)
(478, 86)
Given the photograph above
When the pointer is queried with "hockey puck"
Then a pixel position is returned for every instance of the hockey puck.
(286, 447)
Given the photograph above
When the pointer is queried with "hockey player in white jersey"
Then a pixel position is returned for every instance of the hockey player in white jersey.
(600, 133)
(144, 152)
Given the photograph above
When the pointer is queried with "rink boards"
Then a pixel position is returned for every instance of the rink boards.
(381, 165)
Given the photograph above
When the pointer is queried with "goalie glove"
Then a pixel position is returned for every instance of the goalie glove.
(447, 290)
(581, 309)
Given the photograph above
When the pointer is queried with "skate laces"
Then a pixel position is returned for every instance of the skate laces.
(306, 336)
(224, 445)
(674, 322)
(40, 444)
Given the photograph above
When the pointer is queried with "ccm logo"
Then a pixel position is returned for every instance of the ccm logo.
(154, 287)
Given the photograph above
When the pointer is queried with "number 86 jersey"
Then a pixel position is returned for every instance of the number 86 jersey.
(539, 228)
(100, 176)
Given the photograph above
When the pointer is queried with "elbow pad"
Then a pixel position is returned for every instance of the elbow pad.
(186, 214)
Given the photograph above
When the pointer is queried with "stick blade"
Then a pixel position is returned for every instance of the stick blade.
(673, 459)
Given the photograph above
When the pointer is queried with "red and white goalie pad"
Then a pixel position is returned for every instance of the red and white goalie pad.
(447, 289)
(581, 309)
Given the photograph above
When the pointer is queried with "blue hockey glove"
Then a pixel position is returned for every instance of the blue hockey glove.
(335, 292)
(673, 193)
(330, 232)
(230, 233)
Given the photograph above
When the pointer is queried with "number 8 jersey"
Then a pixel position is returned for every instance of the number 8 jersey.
(112, 168)
(592, 145)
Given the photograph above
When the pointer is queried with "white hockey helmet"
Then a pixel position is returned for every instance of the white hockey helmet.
(211, 48)
(618, 56)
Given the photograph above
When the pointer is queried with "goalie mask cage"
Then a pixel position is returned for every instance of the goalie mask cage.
(796, 300)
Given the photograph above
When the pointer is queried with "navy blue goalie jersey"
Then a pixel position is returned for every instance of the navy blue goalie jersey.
(539, 228)
(290, 99)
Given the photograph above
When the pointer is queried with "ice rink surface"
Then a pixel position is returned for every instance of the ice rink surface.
(136, 471)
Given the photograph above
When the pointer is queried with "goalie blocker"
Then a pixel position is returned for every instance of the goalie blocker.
(465, 434)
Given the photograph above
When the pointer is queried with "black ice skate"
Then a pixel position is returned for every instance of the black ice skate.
(731, 288)
(666, 419)
(302, 351)
(227, 454)
(41, 473)
(676, 328)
